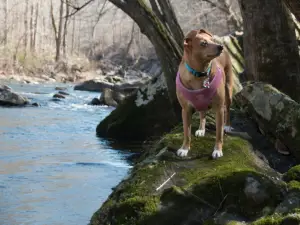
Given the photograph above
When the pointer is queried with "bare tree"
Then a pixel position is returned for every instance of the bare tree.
(5, 4)
(31, 26)
(35, 26)
(57, 29)
(167, 42)
(73, 35)
(66, 28)
(26, 27)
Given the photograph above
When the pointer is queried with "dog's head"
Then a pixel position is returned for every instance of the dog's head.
(200, 44)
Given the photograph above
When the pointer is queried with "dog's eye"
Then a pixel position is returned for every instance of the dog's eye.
(204, 43)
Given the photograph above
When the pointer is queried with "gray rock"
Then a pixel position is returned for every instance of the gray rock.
(63, 93)
(95, 101)
(277, 115)
(107, 98)
(57, 95)
(114, 83)
(291, 202)
(93, 85)
(60, 88)
(10, 98)
(255, 191)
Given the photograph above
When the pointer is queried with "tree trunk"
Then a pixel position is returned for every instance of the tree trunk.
(5, 22)
(26, 28)
(225, 6)
(294, 7)
(35, 26)
(73, 35)
(31, 26)
(168, 49)
(57, 30)
(155, 105)
(270, 47)
(66, 28)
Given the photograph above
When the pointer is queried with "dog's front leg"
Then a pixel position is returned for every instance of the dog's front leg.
(217, 153)
(201, 131)
(187, 121)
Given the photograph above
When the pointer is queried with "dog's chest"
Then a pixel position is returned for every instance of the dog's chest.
(194, 84)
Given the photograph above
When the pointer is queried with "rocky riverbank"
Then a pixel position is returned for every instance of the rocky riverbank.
(114, 81)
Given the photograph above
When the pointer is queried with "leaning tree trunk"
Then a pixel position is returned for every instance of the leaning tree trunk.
(154, 108)
(166, 44)
(270, 46)
(294, 7)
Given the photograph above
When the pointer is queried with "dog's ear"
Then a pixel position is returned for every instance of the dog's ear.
(187, 41)
(205, 31)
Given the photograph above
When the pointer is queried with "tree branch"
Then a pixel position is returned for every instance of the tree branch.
(78, 8)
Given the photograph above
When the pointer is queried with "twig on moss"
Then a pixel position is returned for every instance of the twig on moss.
(165, 182)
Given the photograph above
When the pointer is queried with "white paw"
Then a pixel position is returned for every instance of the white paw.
(200, 133)
(227, 128)
(217, 154)
(182, 152)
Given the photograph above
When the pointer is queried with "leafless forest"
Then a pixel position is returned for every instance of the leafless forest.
(36, 33)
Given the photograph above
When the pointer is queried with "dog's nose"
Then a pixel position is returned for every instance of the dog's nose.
(220, 47)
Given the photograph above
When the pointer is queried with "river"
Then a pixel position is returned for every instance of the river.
(53, 168)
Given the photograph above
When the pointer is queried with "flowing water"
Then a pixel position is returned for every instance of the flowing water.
(53, 168)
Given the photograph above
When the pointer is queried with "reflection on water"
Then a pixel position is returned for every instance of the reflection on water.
(53, 169)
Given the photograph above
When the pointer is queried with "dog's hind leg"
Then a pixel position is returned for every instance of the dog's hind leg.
(228, 95)
(201, 131)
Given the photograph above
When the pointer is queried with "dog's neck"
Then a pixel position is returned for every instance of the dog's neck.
(197, 65)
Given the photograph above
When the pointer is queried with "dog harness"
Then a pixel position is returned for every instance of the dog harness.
(200, 98)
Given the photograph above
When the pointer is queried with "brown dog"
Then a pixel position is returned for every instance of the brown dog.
(204, 80)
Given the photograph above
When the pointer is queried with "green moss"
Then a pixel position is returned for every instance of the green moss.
(199, 182)
(293, 174)
(131, 208)
(234, 223)
(269, 220)
(294, 186)
(277, 219)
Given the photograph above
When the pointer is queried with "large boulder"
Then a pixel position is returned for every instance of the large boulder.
(10, 98)
(276, 114)
(165, 189)
(109, 97)
(111, 82)
(146, 112)
(93, 85)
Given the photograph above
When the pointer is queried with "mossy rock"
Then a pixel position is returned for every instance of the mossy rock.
(198, 189)
(278, 219)
(276, 114)
(145, 113)
(293, 174)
